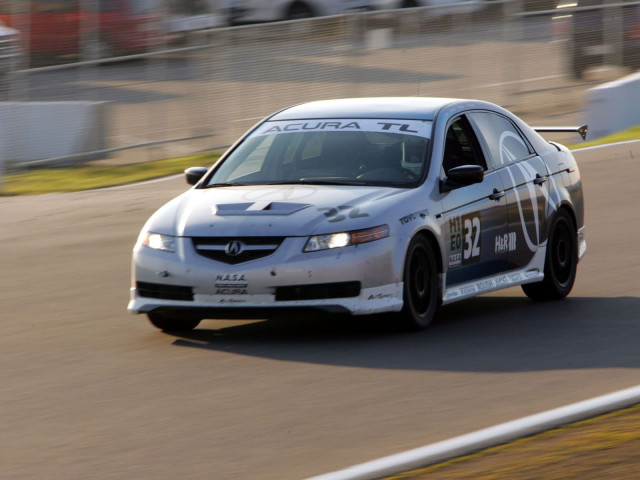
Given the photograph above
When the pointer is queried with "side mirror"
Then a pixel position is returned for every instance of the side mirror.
(194, 174)
(462, 176)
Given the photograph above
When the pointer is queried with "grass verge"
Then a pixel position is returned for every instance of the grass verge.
(607, 446)
(76, 178)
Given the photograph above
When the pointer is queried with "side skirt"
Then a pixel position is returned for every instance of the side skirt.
(490, 284)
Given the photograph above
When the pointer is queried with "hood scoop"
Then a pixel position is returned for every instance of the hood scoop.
(257, 208)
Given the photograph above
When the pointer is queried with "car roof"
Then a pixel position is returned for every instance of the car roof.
(414, 108)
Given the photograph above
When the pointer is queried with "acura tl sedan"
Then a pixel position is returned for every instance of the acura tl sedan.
(365, 206)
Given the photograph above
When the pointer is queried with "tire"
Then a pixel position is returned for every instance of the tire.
(421, 289)
(171, 323)
(299, 10)
(561, 261)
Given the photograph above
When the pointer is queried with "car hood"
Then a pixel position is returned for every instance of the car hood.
(274, 210)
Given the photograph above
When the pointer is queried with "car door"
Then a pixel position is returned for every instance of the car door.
(526, 180)
(473, 215)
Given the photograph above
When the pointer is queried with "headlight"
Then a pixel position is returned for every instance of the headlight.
(157, 241)
(344, 239)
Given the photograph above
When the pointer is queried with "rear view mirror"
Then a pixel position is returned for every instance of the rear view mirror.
(462, 176)
(194, 174)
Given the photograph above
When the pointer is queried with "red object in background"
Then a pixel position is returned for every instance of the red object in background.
(62, 27)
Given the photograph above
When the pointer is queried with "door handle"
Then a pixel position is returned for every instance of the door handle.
(497, 194)
(539, 180)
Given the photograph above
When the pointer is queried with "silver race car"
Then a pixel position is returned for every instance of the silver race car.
(365, 206)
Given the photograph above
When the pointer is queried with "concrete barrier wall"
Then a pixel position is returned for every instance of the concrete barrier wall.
(614, 106)
(33, 131)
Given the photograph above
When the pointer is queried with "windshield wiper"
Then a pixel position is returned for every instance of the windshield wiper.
(224, 184)
(320, 181)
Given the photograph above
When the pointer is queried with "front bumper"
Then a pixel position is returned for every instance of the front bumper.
(362, 279)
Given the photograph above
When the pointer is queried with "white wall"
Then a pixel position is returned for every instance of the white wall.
(31, 131)
(614, 106)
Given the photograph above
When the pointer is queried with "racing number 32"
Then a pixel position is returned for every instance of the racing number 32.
(465, 239)
(471, 238)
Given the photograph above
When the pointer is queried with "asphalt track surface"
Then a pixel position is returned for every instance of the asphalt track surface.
(89, 391)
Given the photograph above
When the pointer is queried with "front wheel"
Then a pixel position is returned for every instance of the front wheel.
(172, 323)
(421, 290)
(560, 263)
(299, 10)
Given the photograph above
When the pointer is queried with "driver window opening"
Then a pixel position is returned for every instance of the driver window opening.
(461, 147)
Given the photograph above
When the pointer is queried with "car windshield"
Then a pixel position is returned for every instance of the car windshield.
(341, 152)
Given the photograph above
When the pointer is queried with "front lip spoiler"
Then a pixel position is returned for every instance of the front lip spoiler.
(243, 313)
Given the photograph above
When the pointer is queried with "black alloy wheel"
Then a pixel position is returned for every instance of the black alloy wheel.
(421, 289)
(561, 261)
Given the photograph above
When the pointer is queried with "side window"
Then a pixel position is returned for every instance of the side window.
(504, 141)
(461, 146)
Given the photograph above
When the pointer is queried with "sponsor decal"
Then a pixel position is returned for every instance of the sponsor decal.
(380, 296)
(410, 127)
(231, 291)
(489, 284)
(467, 290)
(485, 285)
(414, 216)
(296, 127)
(515, 277)
(505, 243)
(464, 239)
(342, 213)
(231, 300)
(231, 284)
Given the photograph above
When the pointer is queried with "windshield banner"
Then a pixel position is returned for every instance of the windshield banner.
(421, 128)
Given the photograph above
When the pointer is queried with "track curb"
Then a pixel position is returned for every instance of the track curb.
(488, 437)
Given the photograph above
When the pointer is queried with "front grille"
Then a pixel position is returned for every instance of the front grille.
(318, 291)
(167, 292)
(233, 250)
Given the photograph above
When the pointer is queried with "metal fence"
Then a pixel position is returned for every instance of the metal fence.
(202, 93)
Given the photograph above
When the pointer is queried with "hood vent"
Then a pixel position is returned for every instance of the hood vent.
(258, 208)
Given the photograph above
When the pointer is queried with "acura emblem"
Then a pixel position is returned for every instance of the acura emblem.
(233, 248)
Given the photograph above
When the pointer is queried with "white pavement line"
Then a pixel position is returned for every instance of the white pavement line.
(595, 147)
(488, 437)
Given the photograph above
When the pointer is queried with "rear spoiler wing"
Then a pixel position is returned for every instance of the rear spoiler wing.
(582, 130)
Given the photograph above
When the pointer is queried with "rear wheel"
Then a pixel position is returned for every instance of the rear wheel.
(173, 323)
(299, 10)
(421, 290)
(560, 263)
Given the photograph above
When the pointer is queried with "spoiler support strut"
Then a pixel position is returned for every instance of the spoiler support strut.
(582, 130)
